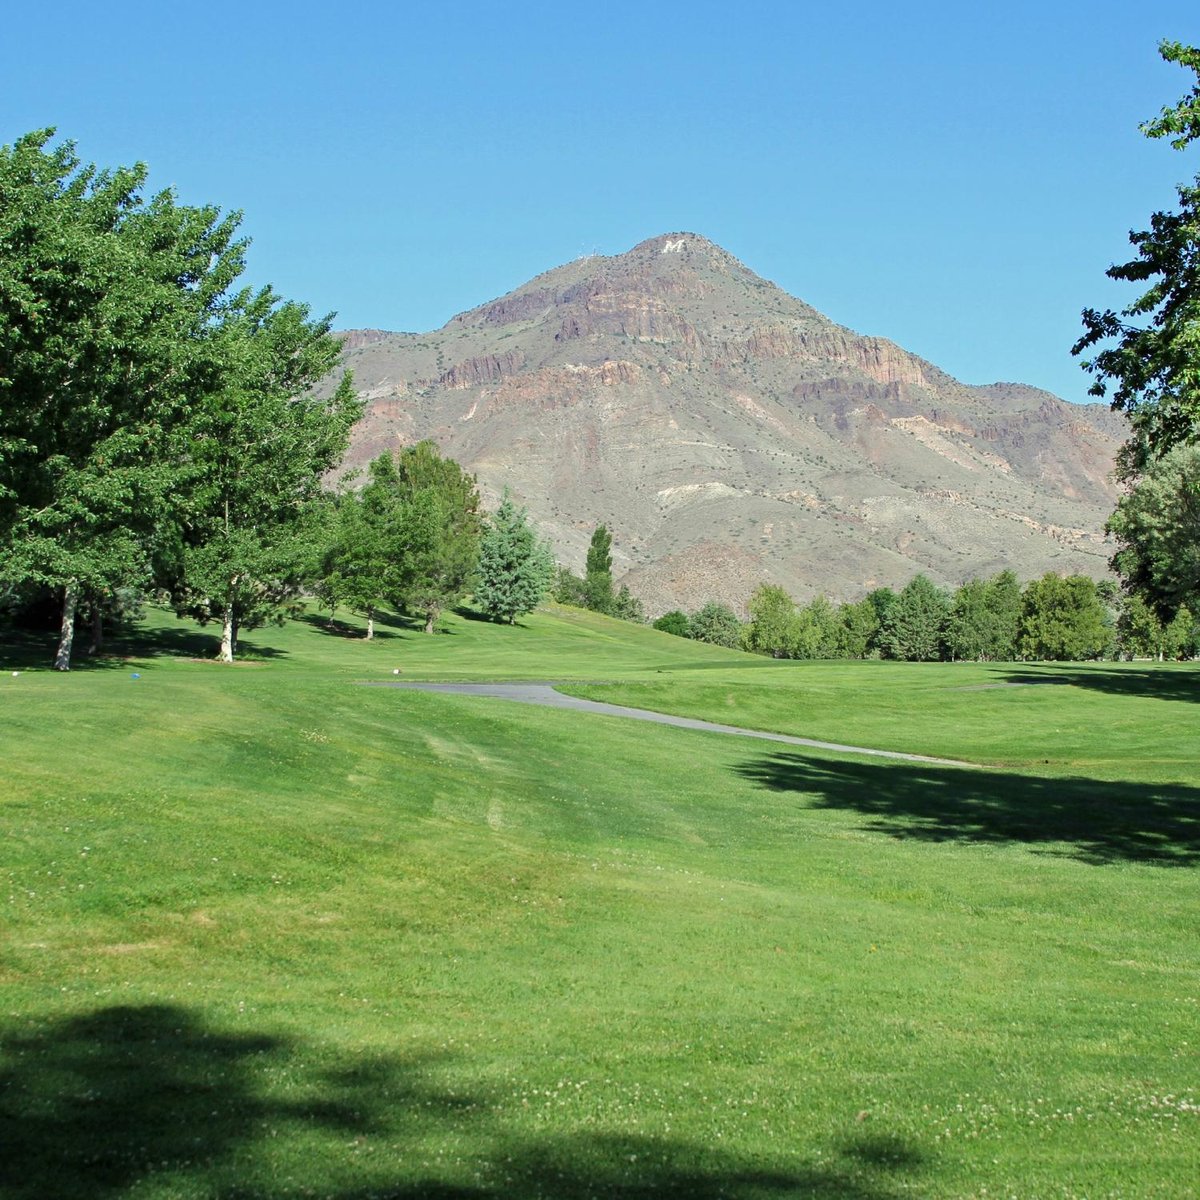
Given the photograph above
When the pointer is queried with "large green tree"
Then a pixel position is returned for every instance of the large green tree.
(108, 305)
(915, 624)
(516, 567)
(443, 528)
(1157, 528)
(716, 624)
(256, 447)
(1063, 619)
(1149, 352)
(362, 564)
(772, 627)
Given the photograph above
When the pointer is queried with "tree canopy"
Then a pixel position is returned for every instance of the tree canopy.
(149, 419)
(516, 567)
(1149, 352)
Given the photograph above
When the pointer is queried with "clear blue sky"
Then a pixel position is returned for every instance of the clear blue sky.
(954, 177)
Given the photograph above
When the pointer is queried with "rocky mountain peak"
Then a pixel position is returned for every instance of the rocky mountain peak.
(730, 434)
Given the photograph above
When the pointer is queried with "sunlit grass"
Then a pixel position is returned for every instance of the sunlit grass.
(269, 933)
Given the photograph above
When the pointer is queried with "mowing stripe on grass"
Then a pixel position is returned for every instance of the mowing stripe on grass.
(546, 694)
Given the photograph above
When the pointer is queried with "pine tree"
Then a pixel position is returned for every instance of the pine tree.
(516, 567)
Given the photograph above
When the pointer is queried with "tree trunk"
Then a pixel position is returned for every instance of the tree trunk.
(370, 623)
(62, 660)
(228, 635)
(431, 616)
(97, 628)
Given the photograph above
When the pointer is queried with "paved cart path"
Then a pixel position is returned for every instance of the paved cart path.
(545, 694)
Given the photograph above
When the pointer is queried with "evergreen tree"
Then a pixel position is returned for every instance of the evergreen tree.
(516, 567)
(716, 624)
(627, 607)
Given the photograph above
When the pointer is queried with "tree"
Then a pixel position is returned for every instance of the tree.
(1062, 619)
(568, 588)
(815, 630)
(858, 625)
(627, 607)
(597, 577)
(915, 623)
(109, 307)
(675, 622)
(516, 567)
(1151, 349)
(362, 562)
(983, 619)
(716, 624)
(256, 447)
(1157, 528)
(772, 626)
(443, 528)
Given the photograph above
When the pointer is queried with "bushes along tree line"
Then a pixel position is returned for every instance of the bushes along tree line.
(992, 620)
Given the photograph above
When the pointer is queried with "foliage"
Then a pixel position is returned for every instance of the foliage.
(716, 624)
(675, 622)
(914, 626)
(442, 531)
(256, 447)
(983, 619)
(108, 301)
(816, 631)
(1062, 619)
(516, 567)
(1151, 351)
(627, 607)
(363, 560)
(597, 578)
(1157, 527)
(568, 587)
(772, 621)
(858, 627)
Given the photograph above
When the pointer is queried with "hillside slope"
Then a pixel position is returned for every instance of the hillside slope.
(730, 434)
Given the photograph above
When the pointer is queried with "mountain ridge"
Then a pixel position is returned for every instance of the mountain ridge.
(730, 434)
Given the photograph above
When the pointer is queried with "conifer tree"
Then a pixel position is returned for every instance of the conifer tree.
(516, 567)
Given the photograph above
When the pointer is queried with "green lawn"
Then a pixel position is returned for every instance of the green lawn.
(271, 934)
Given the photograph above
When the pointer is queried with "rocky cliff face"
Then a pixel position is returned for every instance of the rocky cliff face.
(730, 435)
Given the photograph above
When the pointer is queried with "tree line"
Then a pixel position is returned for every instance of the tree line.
(161, 432)
(1053, 618)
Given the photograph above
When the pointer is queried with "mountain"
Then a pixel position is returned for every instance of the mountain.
(729, 434)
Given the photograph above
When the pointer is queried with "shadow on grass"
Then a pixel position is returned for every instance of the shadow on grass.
(148, 1101)
(33, 651)
(1167, 681)
(1091, 820)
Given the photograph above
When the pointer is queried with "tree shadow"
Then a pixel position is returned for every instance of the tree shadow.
(330, 627)
(33, 652)
(149, 1101)
(1091, 820)
(1164, 681)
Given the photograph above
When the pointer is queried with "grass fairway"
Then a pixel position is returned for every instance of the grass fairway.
(269, 934)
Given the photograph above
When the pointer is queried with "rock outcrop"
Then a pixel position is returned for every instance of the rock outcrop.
(729, 434)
